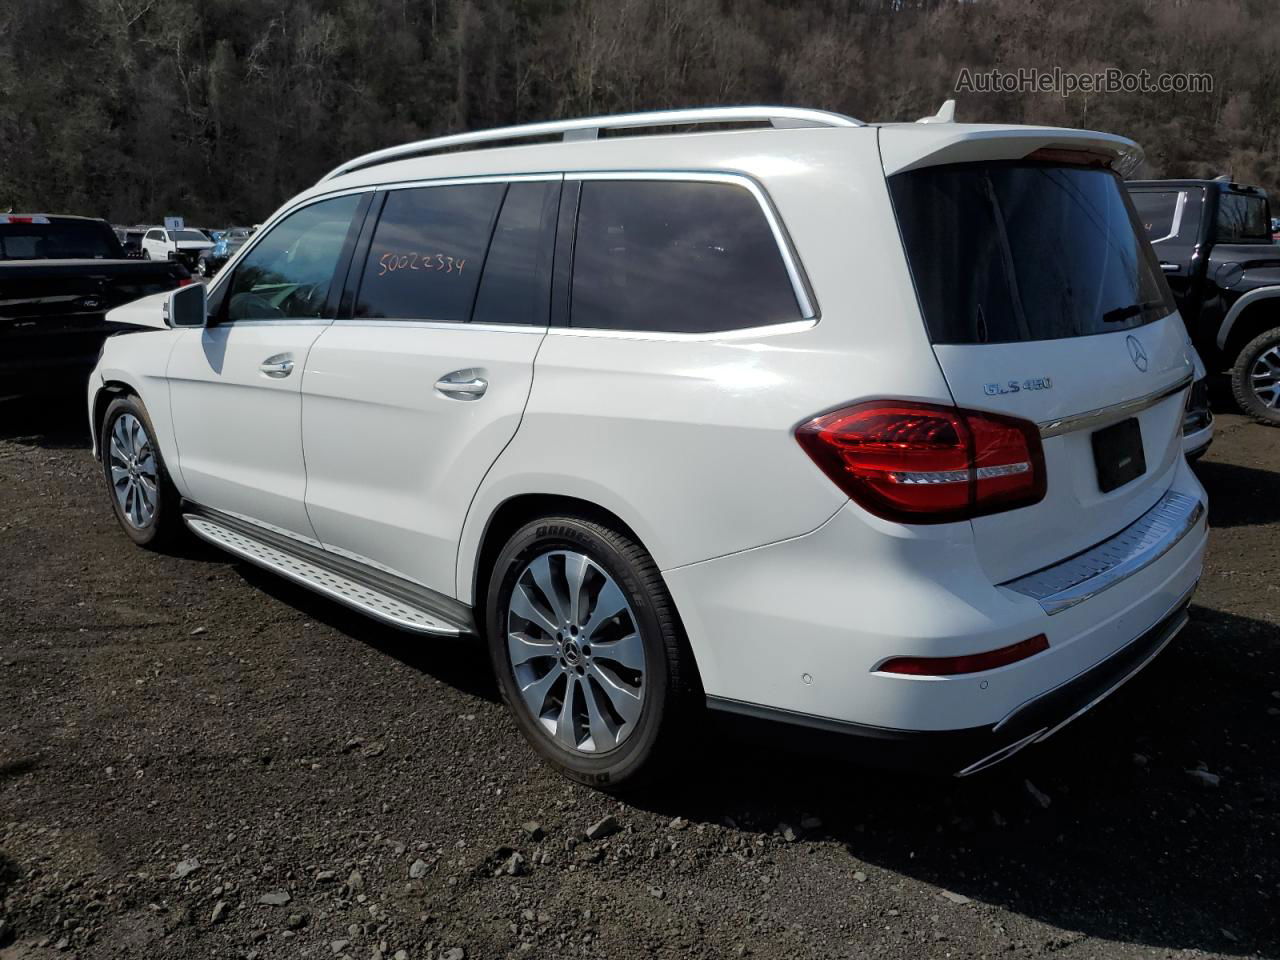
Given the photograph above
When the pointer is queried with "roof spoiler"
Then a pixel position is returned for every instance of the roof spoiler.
(910, 146)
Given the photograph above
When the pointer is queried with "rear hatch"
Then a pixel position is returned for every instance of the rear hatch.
(1044, 301)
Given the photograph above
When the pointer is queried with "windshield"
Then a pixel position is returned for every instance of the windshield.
(185, 235)
(1010, 251)
(69, 240)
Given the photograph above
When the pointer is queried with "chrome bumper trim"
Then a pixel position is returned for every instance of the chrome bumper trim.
(1099, 568)
(1117, 411)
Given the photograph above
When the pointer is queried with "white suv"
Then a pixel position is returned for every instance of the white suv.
(864, 428)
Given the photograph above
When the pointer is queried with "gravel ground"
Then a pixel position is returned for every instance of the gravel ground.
(199, 760)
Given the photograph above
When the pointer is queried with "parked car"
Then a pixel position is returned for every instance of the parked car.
(58, 278)
(1197, 419)
(791, 452)
(184, 245)
(1214, 242)
(131, 240)
(1275, 229)
(228, 242)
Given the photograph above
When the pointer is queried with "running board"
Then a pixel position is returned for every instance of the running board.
(316, 573)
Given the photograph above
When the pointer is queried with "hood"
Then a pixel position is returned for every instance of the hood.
(194, 244)
(147, 312)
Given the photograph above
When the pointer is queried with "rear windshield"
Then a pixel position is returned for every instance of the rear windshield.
(1012, 251)
(58, 241)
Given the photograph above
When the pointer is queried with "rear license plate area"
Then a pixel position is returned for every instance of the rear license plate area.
(1117, 454)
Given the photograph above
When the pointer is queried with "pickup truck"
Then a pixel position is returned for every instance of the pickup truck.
(58, 278)
(1213, 238)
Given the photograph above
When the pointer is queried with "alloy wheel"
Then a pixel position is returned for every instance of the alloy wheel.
(134, 478)
(575, 649)
(1264, 378)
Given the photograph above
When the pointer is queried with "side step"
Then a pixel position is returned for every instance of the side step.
(343, 586)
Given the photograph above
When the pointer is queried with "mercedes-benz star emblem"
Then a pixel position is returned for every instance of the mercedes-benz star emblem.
(1136, 353)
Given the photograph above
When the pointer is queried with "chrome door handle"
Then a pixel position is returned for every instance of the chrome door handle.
(281, 365)
(1169, 267)
(462, 385)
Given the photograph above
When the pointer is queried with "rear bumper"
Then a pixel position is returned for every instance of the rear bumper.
(795, 631)
(965, 752)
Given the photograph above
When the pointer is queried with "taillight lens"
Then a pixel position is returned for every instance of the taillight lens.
(185, 281)
(921, 463)
(967, 663)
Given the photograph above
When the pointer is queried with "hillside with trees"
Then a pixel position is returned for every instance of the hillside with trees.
(221, 109)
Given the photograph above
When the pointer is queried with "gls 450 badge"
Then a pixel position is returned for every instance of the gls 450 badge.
(1017, 386)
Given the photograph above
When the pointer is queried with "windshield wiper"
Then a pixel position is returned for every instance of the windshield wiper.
(1121, 314)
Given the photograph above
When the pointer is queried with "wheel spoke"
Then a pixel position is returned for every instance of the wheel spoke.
(540, 570)
(624, 699)
(575, 575)
(564, 723)
(522, 606)
(136, 436)
(609, 603)
(627, 651)
(522, 649)
(535, 691)
(118, 475)
(603, 735)
(120, 435)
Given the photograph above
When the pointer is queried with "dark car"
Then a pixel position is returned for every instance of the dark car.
(1213, 238)
(58, 278)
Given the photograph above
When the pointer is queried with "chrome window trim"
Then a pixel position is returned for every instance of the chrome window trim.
(1076, 579)
(799, 282)
(745, 333)
(1179, 205)
(539, 329)
(1080, 421)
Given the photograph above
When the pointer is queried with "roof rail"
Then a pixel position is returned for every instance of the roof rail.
(588, 128)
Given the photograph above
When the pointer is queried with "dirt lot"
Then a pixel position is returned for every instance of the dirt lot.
(345, 789)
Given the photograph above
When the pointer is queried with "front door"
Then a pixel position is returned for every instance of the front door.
(406, 404)
(235, 385)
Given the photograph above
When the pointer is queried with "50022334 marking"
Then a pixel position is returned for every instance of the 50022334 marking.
(437, 262)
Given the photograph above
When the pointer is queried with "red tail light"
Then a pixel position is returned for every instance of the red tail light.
(968, 663)
(185, 281)
(921, 463)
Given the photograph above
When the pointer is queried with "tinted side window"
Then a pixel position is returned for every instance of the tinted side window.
(1243, 219)
(1156, 211)
(427, 253)
(289, 272)
(676, 257)
(515, 287)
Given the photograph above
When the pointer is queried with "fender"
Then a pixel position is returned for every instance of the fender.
(1250, 298)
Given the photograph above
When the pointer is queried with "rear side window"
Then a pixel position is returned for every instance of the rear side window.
(1013, 251)
(428, 251)
(680, 257)
(1158, 213)
(516, 284)
(1243, 219)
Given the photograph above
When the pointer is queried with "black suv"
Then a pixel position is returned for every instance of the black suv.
(1213, 238)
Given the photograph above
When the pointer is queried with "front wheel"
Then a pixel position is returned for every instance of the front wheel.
(143, 497)
(588, 650)
(1255, 378)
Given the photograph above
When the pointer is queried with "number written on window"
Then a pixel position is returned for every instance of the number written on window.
(391, 261)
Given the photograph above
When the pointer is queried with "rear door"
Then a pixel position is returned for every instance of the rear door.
(410, 397)
(1171, 217)
(1044, 301)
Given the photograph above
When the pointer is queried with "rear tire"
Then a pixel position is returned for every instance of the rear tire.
(1255, 378)
(145, 501)
(626, 677)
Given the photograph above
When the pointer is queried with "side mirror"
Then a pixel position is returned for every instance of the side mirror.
(188, 306)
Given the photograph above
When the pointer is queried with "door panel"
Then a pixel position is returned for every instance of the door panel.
(392, 461)
(406, 406)
(239, 425)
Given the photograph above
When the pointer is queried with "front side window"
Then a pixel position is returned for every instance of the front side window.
(1243, 219)
(289, 271)
(1013, 251)
(427, 253)
(675, 256)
